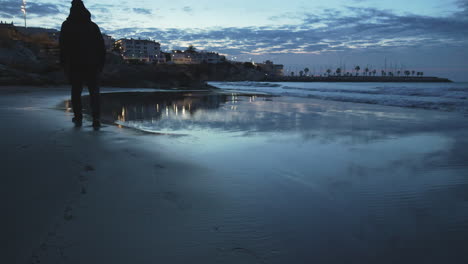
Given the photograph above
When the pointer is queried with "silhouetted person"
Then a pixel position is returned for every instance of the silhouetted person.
(82, 54)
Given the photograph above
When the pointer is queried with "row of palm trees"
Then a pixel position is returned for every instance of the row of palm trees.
(365, 72)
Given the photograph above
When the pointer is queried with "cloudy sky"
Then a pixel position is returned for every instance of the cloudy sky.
(424, 35)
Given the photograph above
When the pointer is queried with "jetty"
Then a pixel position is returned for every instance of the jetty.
(411, 79)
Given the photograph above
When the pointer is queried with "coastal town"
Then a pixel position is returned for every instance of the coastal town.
(133, 50)
(34, 45)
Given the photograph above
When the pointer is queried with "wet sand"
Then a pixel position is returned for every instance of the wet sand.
(55, 175)
(265, 181)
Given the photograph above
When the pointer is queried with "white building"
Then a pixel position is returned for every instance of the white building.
(140, 50)
(210, 57)
(193, 57)
(181, 57)
(108, 42)
(271, 69)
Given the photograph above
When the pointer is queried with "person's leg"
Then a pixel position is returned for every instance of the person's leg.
(77, 88)
(94, 95)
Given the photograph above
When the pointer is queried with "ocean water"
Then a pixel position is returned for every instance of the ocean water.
(302, 180)
(436, 96)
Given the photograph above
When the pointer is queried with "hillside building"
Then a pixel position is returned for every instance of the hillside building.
(271, 69)
(108, 42)
(194, 57)
(5, 25)
(148, 51)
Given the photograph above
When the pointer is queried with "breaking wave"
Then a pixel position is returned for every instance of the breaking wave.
(435, 96)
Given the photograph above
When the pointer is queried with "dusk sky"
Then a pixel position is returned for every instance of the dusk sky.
(424, 35)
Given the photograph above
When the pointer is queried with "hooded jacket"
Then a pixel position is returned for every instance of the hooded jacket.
(81, 42)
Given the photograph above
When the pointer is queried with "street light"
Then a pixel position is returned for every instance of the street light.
(23, 9)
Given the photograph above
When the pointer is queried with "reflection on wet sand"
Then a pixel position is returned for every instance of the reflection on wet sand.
(347, 178)
(182, 108)
(175, 106)
(186, 112)
(157, 105)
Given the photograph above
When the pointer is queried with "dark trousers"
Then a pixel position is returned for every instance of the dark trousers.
(78, 78)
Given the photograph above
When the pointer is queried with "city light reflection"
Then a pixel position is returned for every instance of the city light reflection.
(147, 110)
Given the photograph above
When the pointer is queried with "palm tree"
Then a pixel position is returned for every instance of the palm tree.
(191, 49)
(374, 71)
(338, 71)
(398, 72)
(329, 71)
(306, 70)
(366, 70)
(292, 74)
(412, 72)
(357, 68)
(301, 73)
(407, 73)
(383, 73)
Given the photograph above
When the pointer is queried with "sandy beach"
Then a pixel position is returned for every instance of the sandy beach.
(54, 171)
(233, 179)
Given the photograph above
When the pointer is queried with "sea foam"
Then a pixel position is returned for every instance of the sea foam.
(435, 96)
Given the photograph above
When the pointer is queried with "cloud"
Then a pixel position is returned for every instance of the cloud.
(103, 8)
(463, 5)
(329, 31)
(143, 11)
(11, 8)
(187, 9)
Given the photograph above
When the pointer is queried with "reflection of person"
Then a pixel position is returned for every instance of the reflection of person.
(82, 54)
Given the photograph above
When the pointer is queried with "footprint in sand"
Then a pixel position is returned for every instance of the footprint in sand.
(25, 146)
(246, 251)
(82, 178)
(67, 215)
(170, 196)
(89, 168)
(130, 153)
(159, 166)
(174, 198)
